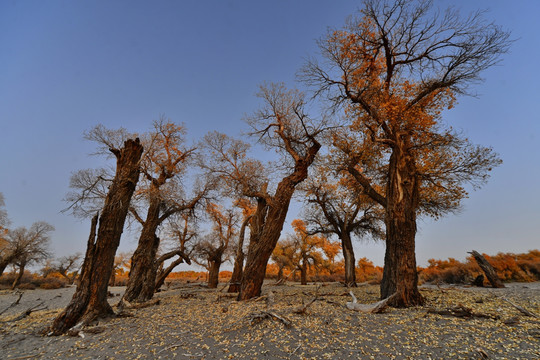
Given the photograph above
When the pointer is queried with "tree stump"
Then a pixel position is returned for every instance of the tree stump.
(486, 267)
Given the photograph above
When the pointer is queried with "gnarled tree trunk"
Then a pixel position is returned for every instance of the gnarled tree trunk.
(90, 298)
(400, 275)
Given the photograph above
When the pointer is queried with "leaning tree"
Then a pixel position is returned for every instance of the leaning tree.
(394, 68)
(281, 125)
(90, 298)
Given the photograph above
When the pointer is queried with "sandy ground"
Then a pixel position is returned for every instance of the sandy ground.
(193, 322)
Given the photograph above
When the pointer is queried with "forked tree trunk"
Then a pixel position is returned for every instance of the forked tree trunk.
(261, 248)
(90, 298)
(19, 276)
(213, 274)
(238, 268)
(400, 275)
(348, 257)
(486, 267)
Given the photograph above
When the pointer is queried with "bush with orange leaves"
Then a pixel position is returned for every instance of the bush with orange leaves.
(367, 272)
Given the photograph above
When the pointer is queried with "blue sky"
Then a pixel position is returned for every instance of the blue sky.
(66, 66)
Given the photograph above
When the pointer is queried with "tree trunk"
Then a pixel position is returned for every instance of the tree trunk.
(19, 276)
(4, 262)
(213, 274)
(142, 275)
(486, 267)
(90, 298)
(236, 276)
(280, 272)
(400, 275)
(348, 257)
(303, 273)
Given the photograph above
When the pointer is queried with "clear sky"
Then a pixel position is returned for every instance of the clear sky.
(66, 66)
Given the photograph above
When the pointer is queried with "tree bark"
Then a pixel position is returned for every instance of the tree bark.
(112, 280)
(348, 257)
(400, 275)
(90, 298)
(486, 267)
(213, 274)
(238, 268)
(19, 277)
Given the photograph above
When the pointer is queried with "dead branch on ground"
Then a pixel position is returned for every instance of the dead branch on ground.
(302, 309)
(463, 312)
(15, 303)
(258, 317)
(27, 312)
(521, 309)
(375, 308)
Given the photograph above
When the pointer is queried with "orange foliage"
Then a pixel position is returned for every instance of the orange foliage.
(366, 271)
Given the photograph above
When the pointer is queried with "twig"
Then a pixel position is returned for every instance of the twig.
(170, 347)
(27, 357)
(298, 347)
(521, 309)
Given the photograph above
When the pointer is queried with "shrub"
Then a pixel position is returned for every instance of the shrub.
(51, 284)
(26, 286)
